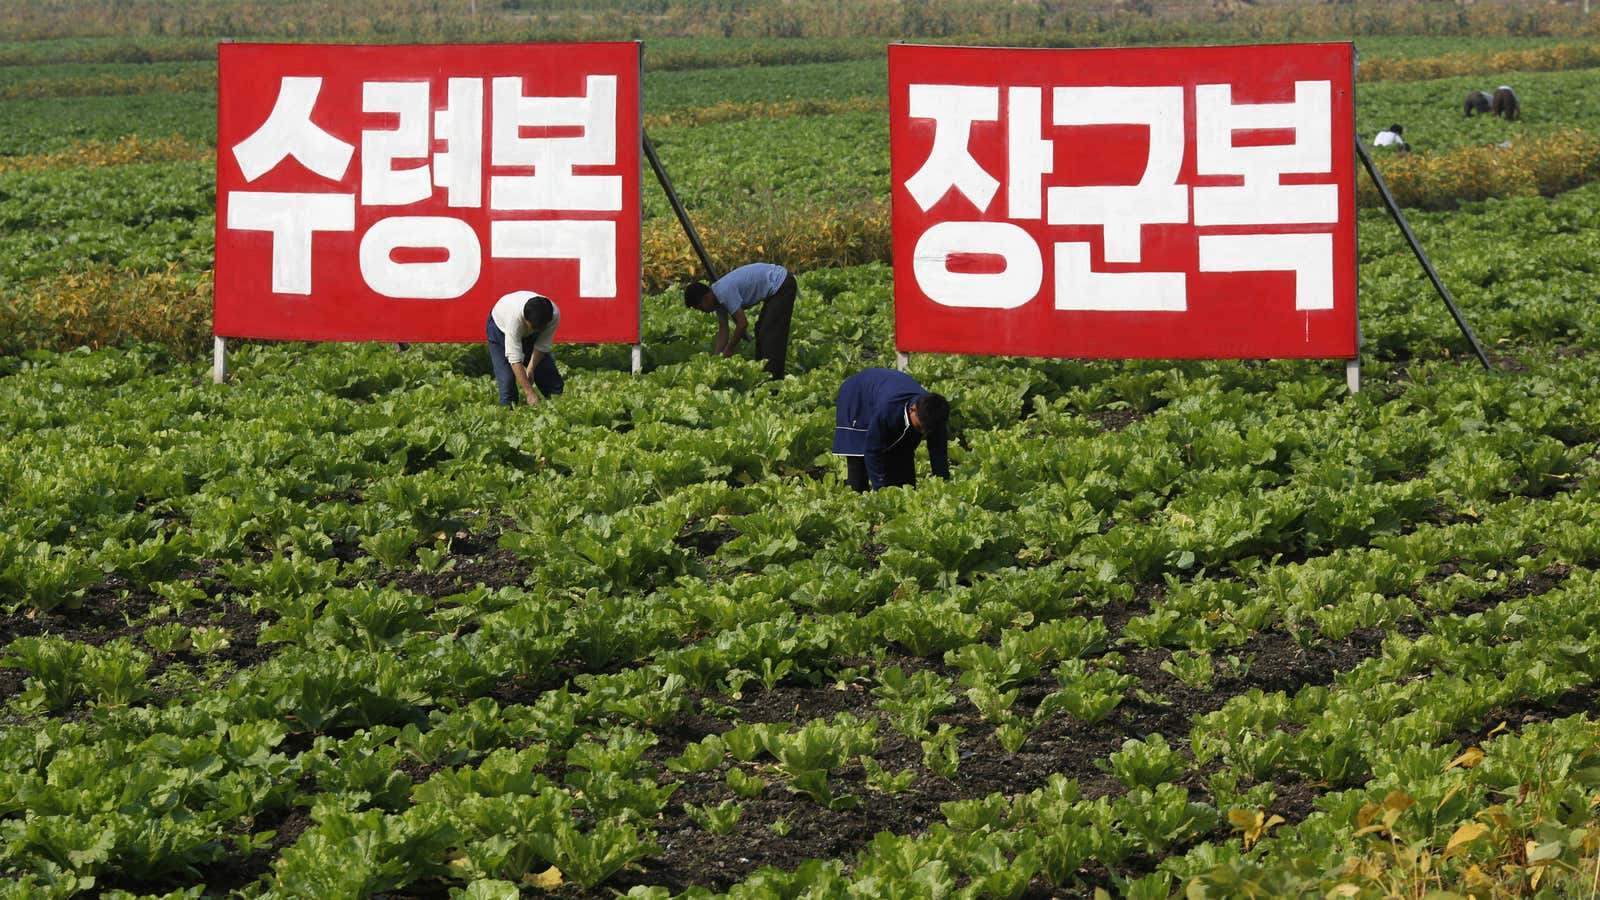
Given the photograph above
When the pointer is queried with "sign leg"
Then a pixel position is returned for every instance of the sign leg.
(902, 360)
(638, 358)
(1352, 374)
(677, 206)
(219, 359)
(1422, 256)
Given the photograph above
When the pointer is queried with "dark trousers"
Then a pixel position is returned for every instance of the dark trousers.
(772, 328)
(545, 376)
(902, 471)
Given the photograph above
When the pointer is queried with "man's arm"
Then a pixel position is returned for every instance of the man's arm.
(722, 330)
(877, 468)
(938, 453)
(874, 458)
(741, 325)
(521, 370)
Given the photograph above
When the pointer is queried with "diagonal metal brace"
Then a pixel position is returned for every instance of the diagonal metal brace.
(677, 207)
(1422, 256)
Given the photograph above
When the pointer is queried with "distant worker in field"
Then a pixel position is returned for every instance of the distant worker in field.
(765, 284)
(1504, 104)
(883, 414)
(521, 332)
(1392, 137)
(1476, 102)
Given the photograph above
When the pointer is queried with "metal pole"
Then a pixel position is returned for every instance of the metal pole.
(219, 359)
(677, 207)
(902, 360)
(638, 358)
(1352, 366)
(1422, 256)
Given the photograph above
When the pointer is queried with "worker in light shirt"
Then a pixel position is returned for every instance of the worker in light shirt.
(1393, 136)
(521, 331)
(765, 284)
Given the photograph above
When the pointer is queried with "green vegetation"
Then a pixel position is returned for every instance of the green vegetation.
(342, 627)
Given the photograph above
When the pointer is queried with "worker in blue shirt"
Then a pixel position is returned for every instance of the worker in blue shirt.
(766, 284)
(883, 414)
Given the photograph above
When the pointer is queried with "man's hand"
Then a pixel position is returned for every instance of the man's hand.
(520, 371)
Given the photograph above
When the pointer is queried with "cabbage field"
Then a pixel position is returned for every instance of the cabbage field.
(342, 627)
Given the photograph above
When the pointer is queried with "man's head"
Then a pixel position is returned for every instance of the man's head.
(539, 311)
(1397, 129)
(697, 295)
(929, 413)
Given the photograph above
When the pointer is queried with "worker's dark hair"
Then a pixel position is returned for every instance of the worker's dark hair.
(694, 292)
(933, 410)
(1397, 129)
(539, 311)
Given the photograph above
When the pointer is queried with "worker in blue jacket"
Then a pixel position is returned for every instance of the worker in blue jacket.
(883, 414)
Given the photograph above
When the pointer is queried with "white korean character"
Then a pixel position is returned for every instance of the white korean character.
(1122, 210)
(953, 108)
(593, 243)
(289, 131)
(381, 183)
(292, 219)
(459, 168)
(443, 279)
(1028, 156)
(1309, 256)
(1262, 199)
(553, 184)
(1008, 289)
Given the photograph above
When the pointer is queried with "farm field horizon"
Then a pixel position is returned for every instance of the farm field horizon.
(342, 627)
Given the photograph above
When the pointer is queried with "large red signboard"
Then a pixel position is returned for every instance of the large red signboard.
(1158, 202)
(395, 192)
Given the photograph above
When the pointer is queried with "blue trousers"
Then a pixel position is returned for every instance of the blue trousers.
(545, 376)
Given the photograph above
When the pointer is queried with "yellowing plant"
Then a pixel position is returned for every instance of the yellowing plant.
(105, 307)
(121, 152)
(1542, 165)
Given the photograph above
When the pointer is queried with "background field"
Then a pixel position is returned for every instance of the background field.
(342, 627)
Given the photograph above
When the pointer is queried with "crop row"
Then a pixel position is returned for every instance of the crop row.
(1431, 110)
(1520, 265)
(362, 680)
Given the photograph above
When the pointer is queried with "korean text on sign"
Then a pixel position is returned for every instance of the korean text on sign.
(395, 192)
(1186, 202)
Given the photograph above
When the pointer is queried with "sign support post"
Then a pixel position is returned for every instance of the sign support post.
(683, 220)
(1422, 256)
(1352, 366)
(677, 206)
(219, 359)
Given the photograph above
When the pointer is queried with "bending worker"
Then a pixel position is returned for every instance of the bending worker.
(521, 332)
(766, 284)
(1393, 136)
(883, 414)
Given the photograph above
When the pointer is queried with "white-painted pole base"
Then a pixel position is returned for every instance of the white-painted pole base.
(638, 358)
(1352, 367)
(219, 359)
(902, 361)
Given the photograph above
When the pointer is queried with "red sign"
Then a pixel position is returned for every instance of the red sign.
(1161, 202)
(394, 193)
